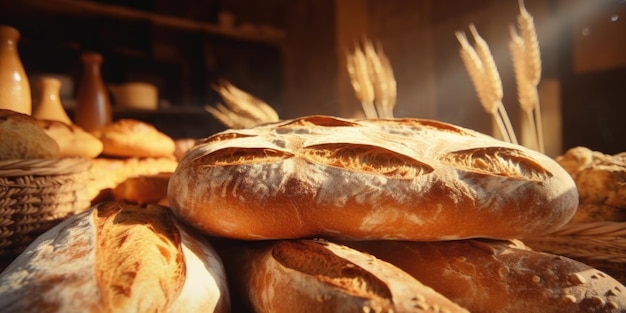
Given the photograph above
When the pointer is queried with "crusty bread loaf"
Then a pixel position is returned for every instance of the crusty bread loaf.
(601, 182)
(319, 276)
(134, 138)
(368, 179)
(503, 276)
(73, 141)
(116, 257)
(22, 138)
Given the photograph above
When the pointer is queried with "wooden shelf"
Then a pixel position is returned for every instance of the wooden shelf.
(272, 36)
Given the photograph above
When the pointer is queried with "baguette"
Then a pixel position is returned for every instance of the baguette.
(116, 257)
(412, 179)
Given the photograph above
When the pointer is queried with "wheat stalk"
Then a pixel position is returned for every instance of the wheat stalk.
(245, 104)
(484, 74)
(391, 82)
(494, 86)
(531, 44)
(527, 65)
(490, 73)
(263, 111)
(241, 109)
(382, 83)
(526, 91)
(524, 85)
(475, 69)
(226, 116)
(361, 84)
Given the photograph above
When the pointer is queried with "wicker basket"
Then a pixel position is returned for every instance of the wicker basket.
(599, 244)
(34, 196)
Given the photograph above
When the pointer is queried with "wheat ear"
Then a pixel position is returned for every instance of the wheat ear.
(226, 116)
(389, 77)
(380, 81)
(531, 44)
(494, 86)
(245, 104)
(262, 111)
(361, 84)
(531, 58)
(475, 69)
(486, 79)
(526, 91)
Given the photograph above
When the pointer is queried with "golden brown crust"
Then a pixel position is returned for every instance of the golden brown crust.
(319, 276)
(116, 257)
(134, 138)
(138, 252)
(503, 276)
(368, 179)
(601, 182)
(72, 139)
(22, 138)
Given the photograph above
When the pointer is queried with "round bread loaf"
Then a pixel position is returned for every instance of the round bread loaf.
(503, 276)
(134, 138)
(73, 141)
(318, 276)
(413, 179)
(116, 257)
(22, 138)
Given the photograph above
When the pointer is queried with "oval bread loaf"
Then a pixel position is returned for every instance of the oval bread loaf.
(319, 276)
(134, 138)
(413, 179)
(492, 276)
(116, 257)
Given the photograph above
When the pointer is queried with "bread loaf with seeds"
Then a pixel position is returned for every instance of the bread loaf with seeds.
(320, 276)
(413, 179)
(116, 257)
(493, 276)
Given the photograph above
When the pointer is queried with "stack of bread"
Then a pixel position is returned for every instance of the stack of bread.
(325, 214)
(442, 203)
(601, 182)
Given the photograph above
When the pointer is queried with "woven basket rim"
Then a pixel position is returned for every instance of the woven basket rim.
(43, 167)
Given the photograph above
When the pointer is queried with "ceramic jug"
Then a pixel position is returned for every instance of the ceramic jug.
(48, 104)
(93, 106)
(14, 85)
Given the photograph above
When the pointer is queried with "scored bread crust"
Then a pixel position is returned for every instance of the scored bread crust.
(321, 276)
(494, 276)
(116, 257)
(406, 178)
